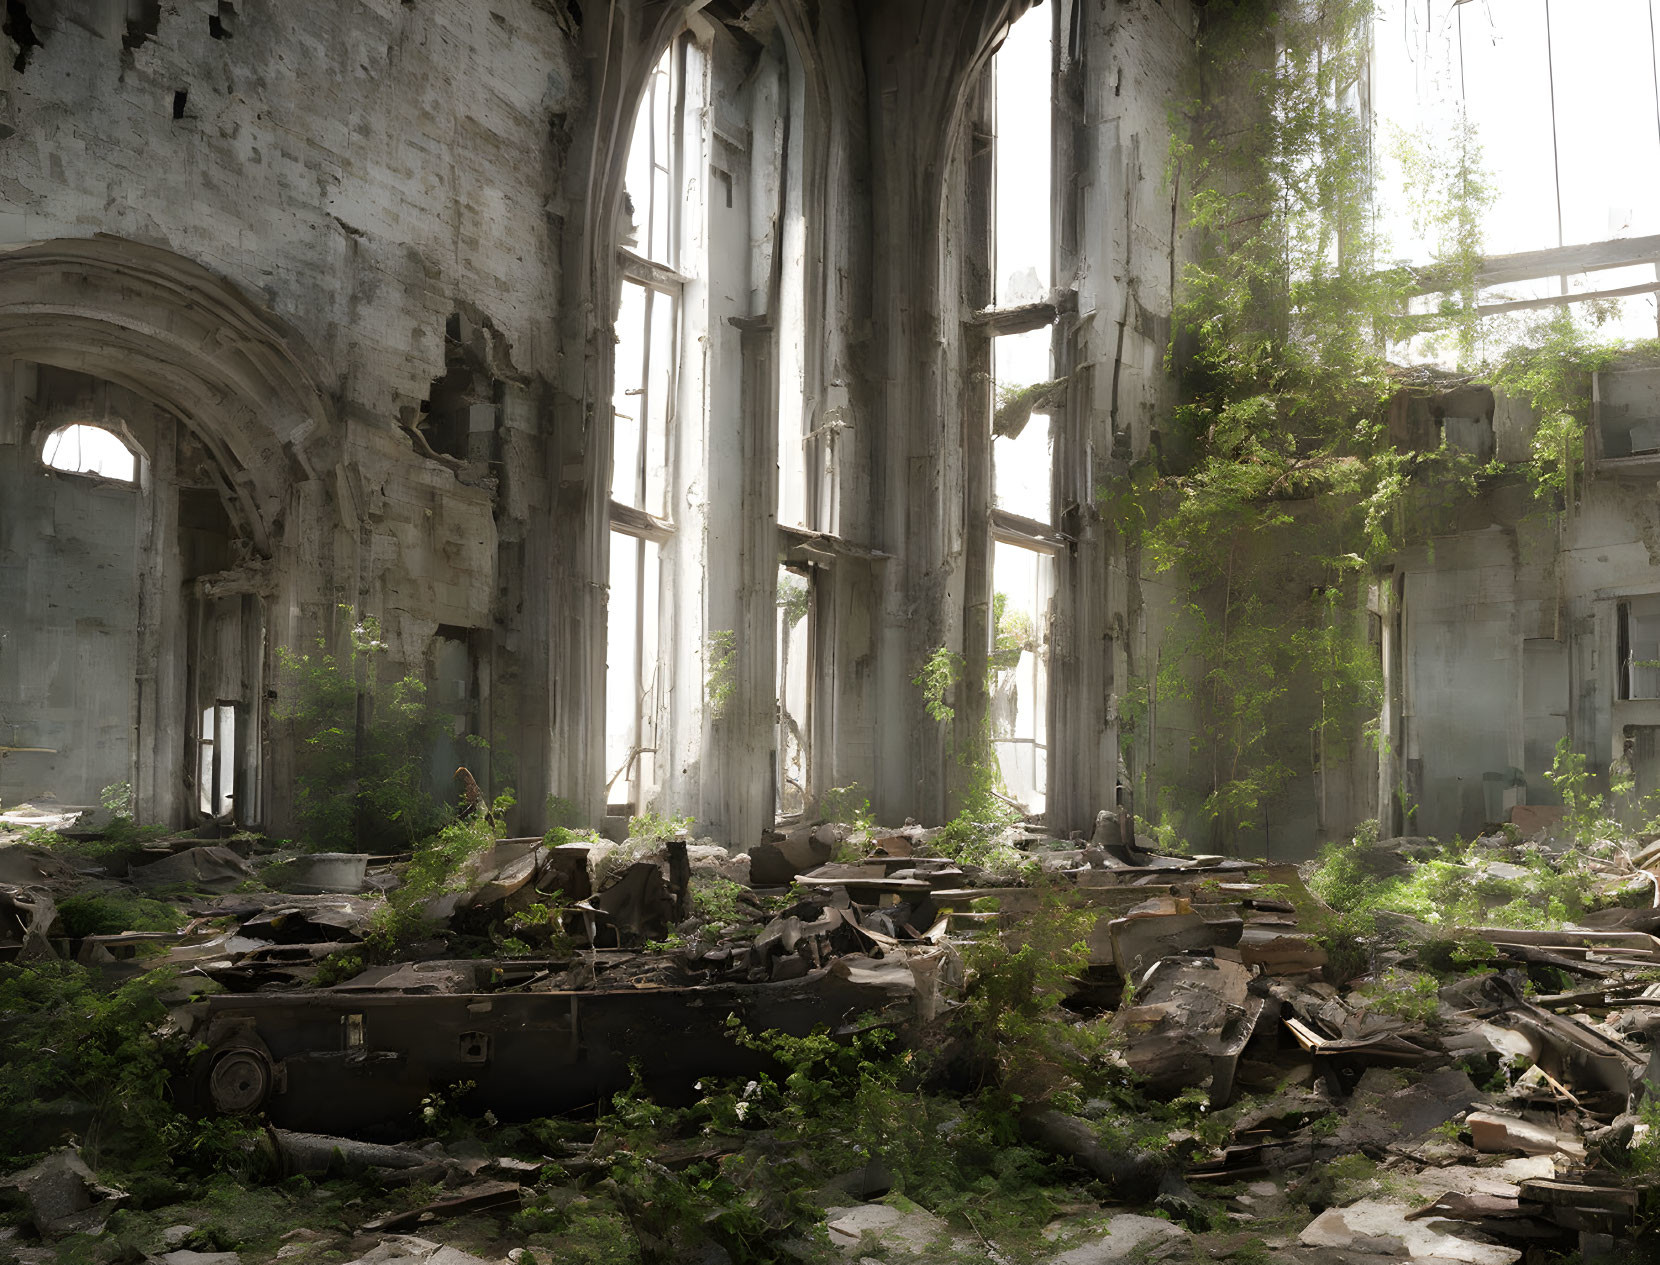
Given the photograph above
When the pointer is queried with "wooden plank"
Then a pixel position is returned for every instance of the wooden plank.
(995, 322)
(1027, 533)
(1525, 265)
(1562, 300)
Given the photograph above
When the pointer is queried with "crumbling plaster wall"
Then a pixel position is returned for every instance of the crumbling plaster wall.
(1510, 642)
(69, 559)
(1118, 228)
(361, 170)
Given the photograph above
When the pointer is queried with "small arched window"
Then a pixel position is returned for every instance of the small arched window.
(82, 449)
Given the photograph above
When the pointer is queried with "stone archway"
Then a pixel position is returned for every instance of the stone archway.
(167, 328)
(245, 388)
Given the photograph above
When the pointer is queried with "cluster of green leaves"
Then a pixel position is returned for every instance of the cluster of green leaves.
(847, 805)
(1452, 886)
(438, 866)
(362, 741)
(1407, 994)
(94, 913)
(1012, 633)
(1448, 192)
(544, 924)
(940, 673)
(654, 828)
(88, 1061)
(720, 671)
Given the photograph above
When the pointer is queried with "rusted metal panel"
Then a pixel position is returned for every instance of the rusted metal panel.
(343, 1063)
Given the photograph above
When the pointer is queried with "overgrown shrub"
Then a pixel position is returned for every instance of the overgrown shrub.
(362, 740)
(86, 1061)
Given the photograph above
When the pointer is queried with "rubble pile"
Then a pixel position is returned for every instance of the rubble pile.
(1371, 1079)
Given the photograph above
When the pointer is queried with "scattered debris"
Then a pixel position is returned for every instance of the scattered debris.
(64, 1196)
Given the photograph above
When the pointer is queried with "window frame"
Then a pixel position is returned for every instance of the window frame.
(637, 526)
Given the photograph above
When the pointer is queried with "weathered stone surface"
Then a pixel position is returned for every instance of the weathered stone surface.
(1382, 1228)
(899, 1226)
(1128, 1237)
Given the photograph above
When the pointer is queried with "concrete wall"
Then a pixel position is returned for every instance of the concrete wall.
(69, 636)
(1118, 233)
(1511, 641)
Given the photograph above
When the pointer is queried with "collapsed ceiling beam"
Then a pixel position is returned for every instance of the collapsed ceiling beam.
(1525, 265)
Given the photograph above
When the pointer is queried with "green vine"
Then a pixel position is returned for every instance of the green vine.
(940, 673)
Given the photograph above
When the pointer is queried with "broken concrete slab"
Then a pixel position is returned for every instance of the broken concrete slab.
(1128, 1237)
(897, 1226)
(405, 1249)
(1164, 927)
(1188, 1023)
(64, 1195)
(206, 869)
(322, 873)
(1497, 1133)
(1380, 1228)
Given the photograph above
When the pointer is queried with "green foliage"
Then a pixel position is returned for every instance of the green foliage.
(361, 744)
(85, 1060)
(1284, 488)
(1012, 633)
(439, 865)
(1016, 404)
(110, 913)
(794, 599)
(940, 673)
(1448, 192)
(1020, 1038)
(562, 813)
(716, 901)
(847, 805)
(720, 672)
(1550, 366)
(1405, 994)
(116, 799)
(654, 828)
(1586, 818)
(1454, 886)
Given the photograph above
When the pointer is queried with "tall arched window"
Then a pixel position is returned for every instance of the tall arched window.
(648, 347)
(1023, 510)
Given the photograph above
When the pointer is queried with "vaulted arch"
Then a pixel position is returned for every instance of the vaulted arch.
(191, 342)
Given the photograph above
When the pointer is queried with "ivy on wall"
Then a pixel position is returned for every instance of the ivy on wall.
(1277, 495)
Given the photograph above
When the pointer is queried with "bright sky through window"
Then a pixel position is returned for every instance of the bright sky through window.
(1565, 100)
(81, 449)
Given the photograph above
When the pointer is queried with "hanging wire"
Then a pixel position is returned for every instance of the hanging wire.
(1654, 66)
(1556, 153)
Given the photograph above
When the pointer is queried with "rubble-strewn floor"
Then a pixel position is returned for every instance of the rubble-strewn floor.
(841, 1046)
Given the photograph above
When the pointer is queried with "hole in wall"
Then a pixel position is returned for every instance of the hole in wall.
(21, 30)
(179, 99)
(219, 24)
(458, 417)
(143, 25)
